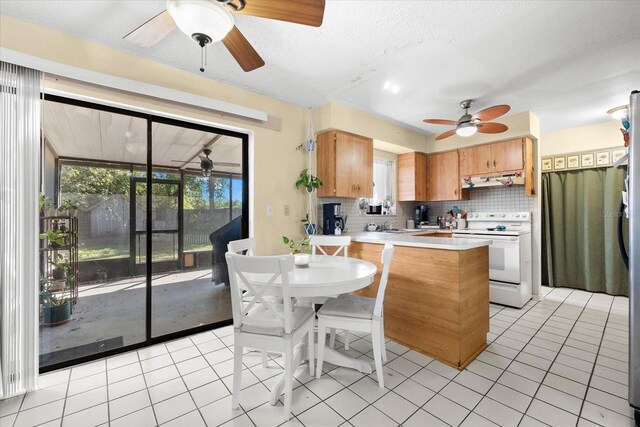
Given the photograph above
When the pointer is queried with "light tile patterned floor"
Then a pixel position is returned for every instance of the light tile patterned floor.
(560, 362)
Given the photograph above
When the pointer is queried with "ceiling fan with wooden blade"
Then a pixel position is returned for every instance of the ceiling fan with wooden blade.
(210, 21)
(468, 124)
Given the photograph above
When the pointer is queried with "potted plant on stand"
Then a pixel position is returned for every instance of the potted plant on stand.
(299, 249)
(55, 238)
(56, 304)
(310, 183)
(69, 208)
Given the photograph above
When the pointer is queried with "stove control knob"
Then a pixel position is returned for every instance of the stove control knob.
(517, 215)
(524, 215)
(502, 215)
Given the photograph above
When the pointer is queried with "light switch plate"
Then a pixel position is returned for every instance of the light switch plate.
(269, 210)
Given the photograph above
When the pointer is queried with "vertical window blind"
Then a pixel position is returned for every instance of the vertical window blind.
(20, 118)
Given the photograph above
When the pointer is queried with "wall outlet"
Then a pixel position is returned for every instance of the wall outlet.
(286, 210)
(269, 210)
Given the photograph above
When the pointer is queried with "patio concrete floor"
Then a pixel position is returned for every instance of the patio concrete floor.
(114, 310)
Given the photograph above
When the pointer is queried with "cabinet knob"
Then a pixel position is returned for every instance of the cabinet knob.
(455, 191)
(487, 164)
(494, 163)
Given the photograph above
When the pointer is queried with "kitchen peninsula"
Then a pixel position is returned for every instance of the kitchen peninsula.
(437, 297)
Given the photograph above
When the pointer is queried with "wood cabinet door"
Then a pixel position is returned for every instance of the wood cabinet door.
(475, 160)
(507, 155)
(326, 163)
(363, 171)
(443, 177)
(353, 166)
(412, 177)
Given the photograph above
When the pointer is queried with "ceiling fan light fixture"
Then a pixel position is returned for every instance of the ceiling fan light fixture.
(201, 17)
(466, 129)
(619, 112)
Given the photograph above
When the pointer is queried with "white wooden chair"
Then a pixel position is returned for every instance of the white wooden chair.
(246, 247)
(355, 313)
(266, 325)
(243, 246)
(318, 244)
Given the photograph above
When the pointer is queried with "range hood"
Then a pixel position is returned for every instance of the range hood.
(496, 180)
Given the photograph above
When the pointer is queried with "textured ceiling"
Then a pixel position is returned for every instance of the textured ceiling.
(568, 62)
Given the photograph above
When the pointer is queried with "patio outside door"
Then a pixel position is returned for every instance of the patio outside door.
(166, 238)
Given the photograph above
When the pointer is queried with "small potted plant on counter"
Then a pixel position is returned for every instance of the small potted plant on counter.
(299, 249)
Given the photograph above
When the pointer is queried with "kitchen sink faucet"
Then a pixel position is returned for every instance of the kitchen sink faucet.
(387, 225)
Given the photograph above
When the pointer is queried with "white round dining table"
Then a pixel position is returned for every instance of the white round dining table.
(326, 276)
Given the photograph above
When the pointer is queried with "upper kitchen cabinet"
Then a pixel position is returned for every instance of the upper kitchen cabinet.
(443, 178)
(345, 165)
(412, 177)
(476, 160)
(515, 155)
(497, 157)
(508, 155)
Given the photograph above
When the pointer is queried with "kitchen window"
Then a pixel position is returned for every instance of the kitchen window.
(382, 181)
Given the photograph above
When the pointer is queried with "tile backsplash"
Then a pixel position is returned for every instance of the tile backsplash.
(504, 199)
(486, 199)
(356, 220)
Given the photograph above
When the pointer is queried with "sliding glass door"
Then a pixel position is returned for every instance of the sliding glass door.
(155, 202)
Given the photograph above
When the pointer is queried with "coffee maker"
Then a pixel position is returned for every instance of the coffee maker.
(421, 214)
(332, 218)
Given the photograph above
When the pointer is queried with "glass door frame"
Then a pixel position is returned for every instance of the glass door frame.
(149, 167)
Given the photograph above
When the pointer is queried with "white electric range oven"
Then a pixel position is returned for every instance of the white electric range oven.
(510, 268)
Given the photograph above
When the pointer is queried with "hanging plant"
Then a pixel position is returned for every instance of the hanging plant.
(308, 181)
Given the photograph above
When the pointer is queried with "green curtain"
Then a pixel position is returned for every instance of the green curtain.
(579, 230)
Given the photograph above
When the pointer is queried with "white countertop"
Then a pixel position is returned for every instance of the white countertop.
(419, 240)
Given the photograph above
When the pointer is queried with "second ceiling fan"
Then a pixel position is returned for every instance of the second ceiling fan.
(468, 124)
(209, 21)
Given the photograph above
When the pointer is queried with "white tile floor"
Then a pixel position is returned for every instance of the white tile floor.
(559, 362)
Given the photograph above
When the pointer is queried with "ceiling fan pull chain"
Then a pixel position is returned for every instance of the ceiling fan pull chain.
(203, 58)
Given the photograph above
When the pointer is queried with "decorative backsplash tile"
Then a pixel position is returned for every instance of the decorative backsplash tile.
(506, 199)
(486, 199)
(356, 220)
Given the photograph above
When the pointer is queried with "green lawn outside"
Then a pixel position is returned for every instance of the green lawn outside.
(110, 247)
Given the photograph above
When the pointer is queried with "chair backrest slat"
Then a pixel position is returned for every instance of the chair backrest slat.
(243, 246)
(385, 259)
(271, 268)
(319, 242)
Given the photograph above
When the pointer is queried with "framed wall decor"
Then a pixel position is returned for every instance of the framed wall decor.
(573, 162)
(587, 160)
(603, 158)
(559, 163)
(547, 164)
(617, 154)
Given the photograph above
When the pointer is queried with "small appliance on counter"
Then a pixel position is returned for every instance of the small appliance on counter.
(332, 219)
(421, 214)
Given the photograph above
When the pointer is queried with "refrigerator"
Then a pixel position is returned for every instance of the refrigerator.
(634, 253)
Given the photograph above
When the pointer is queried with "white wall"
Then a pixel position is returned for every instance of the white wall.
(600, 135)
